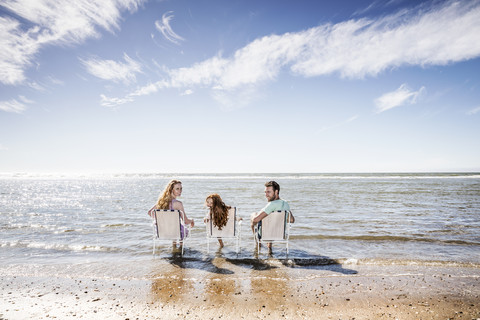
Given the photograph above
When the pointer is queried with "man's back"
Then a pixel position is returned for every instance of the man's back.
(276, 205)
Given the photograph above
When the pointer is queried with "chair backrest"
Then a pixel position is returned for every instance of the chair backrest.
(229, 230)
(167, 224)
(274, 226)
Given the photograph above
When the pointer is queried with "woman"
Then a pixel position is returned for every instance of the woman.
(168, 200)
(218, 212)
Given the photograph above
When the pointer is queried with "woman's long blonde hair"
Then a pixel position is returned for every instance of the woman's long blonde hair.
(218, 211)
(166, 196)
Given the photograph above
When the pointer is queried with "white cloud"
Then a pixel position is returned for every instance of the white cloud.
(151, 88)
(36, 86)
(112, 102)
(112, 70)
(164, 27)
(12, 106)
(15, 106)
(25, 100)
(55, 81)
(402, 96)
(473, 111)
(51, 22)
(359, 48)
(354, 49)
(206, 73)
(16, 51)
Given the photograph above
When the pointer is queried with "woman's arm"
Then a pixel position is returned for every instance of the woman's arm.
(150, 212)
(178, 205)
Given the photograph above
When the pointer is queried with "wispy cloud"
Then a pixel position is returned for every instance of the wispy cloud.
(473, 111)
(164, 27)
(438, 35)
(15, 106)
(36, 86)
(113, 70)
(51, 22)
(112, 102)
(359, 48)
(55, 81)
(336, 125)
(402, 96)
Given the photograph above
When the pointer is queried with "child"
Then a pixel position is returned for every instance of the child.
(218, 213)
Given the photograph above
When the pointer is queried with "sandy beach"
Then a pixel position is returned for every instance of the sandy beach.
(246, 289)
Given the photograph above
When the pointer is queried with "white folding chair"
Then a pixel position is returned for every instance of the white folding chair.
(273, 228)
(167, 225)
(230, 231)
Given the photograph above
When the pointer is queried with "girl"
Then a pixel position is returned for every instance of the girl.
(218, 212)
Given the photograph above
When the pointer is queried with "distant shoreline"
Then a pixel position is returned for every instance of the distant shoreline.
(304, 175)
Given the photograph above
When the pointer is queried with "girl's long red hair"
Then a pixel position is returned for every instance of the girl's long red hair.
(218, 211)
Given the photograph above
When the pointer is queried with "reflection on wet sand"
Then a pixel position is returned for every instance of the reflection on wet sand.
(220, 282)
(269, 283)
(221, 289)
(318, 287)
(170, 282)
(270, 291)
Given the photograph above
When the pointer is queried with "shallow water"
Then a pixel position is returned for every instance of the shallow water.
(365, 218)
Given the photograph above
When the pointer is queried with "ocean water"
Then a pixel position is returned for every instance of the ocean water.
(426, 218)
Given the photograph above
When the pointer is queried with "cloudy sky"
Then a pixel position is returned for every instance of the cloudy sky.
(239, 86)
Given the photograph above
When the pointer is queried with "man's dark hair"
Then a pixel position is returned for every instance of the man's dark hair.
(274, 185)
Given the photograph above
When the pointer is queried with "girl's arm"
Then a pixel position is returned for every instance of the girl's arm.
(207, 217)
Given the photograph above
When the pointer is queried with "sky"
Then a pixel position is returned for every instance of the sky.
(236, 86)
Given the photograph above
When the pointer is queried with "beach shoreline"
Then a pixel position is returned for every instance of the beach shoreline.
(222, 288)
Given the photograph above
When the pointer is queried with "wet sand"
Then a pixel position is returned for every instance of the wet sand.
(246, 289)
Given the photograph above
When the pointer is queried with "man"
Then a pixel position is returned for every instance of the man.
(272, 190)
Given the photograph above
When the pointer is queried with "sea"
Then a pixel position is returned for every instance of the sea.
(74, 222)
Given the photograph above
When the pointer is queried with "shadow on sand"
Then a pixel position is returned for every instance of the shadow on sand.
(193, 259)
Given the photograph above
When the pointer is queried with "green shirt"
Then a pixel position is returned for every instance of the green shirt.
(276, 205)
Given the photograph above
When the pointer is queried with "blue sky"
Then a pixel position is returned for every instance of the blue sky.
(239, 86)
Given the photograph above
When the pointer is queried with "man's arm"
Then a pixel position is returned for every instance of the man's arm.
(292, 218)
(258, 217)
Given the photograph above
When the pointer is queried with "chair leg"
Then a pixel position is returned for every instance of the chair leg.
(239, 241)
(183, 240)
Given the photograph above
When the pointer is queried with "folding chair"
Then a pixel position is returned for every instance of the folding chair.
(167, 225)
(273, 228)
(230, 231)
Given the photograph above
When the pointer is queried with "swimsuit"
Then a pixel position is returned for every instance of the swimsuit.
(183, 230)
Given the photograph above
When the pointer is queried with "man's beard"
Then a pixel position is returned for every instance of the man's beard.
(271, 198)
